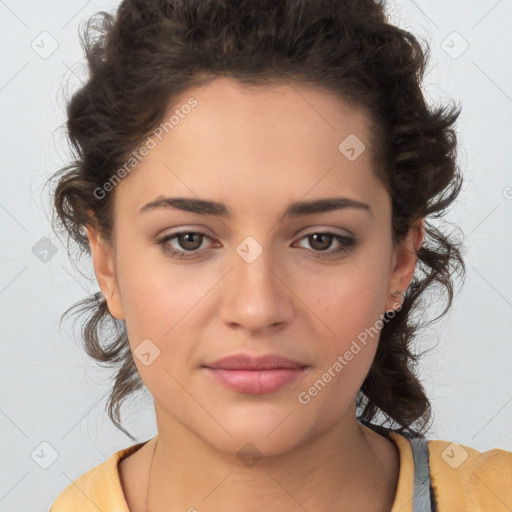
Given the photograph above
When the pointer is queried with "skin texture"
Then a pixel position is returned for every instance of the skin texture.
(257, 151)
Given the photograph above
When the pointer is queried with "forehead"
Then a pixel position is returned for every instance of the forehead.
(277, 141)
(281, 115)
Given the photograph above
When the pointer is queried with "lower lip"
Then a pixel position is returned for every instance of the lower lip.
(256, 382)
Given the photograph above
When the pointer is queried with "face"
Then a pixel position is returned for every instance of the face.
(246, 279)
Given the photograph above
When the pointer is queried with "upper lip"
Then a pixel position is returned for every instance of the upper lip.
(247, 362)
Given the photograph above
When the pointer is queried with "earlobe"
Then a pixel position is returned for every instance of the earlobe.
(405, 259)
(104, 269)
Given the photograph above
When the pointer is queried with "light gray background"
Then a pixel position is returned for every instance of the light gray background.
(51, 392)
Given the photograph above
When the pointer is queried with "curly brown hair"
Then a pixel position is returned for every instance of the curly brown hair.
(150, 51)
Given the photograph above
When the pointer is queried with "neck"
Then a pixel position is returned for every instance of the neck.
(355, 469)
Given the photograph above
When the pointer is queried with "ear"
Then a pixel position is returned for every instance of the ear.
(104, 268)
(404, 262)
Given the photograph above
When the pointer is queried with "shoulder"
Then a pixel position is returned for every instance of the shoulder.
(462, 475)
(97, 489)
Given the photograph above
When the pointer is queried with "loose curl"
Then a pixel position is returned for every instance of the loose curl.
(151, 51)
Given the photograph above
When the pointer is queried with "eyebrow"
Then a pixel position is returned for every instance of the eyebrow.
(208, 207)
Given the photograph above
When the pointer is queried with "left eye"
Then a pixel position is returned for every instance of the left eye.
(325, 239)
(191, 241)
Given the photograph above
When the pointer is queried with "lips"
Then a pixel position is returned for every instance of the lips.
(246, 362)
(255, 375)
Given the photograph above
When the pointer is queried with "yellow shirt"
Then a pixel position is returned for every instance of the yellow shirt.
(463, 480)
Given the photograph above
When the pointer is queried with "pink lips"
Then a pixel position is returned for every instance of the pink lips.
(255, 375)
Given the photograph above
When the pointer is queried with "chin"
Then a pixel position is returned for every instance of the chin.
(263, 433)
(251, 445)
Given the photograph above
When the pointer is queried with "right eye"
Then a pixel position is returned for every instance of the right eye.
(186, 239)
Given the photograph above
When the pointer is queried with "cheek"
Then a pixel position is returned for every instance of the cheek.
(164, 302)
(154, 292)
(348, 335)
(157, 315)
(353, 298)
(350, 305)
(155, 301)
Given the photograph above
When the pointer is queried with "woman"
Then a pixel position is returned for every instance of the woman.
(254, 181)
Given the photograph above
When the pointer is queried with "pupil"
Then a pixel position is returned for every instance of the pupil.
(187, 237)
(320, 235)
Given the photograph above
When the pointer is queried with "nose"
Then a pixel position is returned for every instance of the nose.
(257, 294)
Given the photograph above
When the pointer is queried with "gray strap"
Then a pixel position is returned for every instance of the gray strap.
(421, 494)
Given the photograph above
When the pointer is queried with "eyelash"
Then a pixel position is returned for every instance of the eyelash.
(173, 253)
